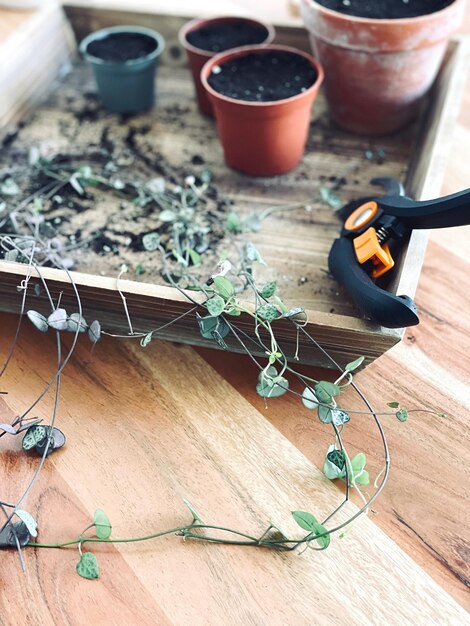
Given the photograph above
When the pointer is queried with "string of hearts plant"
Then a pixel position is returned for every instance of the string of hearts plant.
(223, 299)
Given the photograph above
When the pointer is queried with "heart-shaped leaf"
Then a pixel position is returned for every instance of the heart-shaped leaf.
(224, 287)
(58, 319)
(212, 327)
(94, 332)
(325, 414)
(325, 390)
(14, 534)
(195, 257)
(329, 197)
(76, 322)
(402, 415)
(102, 524)
(87, 567)
(337, 458)
(339, 417)
(350, 367)
(38, 320)
(305, 520)
(269, 289)
(33, 436)
(270, 384)
(298, 310)
(167, 215)
(309, 399)
(9, 187)
(333, 460)
(358, 463)
(151, 241)
(215, 305)
(233, 222)
(144, 342)
(309, 522)
(28, 521)
(362, 478)
(268, 312)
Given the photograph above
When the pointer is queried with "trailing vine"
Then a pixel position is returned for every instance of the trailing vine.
(230, 292)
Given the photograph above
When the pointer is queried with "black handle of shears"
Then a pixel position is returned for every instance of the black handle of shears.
(453, 210)
(381, 306)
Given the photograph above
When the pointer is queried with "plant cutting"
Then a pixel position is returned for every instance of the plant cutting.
(229, 304)
(262, 97)
(124, 61)
(204, 38)
(221, 301)
(380, 57)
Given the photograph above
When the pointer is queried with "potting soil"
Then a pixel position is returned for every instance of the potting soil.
(220, 37)
(386, 9)
(263, 77)
(121, 47)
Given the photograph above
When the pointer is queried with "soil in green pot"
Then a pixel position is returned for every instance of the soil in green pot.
(122, 47)
(221, 37)
(385, 9)
(263, 77)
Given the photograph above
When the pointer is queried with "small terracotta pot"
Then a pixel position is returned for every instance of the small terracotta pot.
(377, 71)
(262, 138)
(198, 57)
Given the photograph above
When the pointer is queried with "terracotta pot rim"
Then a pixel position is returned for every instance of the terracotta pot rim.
(102, 33)
(402, 21)
(199, 22)
(243, 51)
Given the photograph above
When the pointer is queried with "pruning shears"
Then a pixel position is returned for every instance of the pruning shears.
(374, 229)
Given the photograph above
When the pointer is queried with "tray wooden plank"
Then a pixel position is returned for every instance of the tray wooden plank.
(295, 245)
(34, 45)
(218, 451)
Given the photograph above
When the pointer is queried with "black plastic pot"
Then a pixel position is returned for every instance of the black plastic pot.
(125, 86)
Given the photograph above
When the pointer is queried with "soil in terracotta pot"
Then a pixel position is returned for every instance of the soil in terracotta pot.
(121, 47)
(220, 37)
(263, 77)
(385, 9)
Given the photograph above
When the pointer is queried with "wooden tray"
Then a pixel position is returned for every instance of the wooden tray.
(295, 245)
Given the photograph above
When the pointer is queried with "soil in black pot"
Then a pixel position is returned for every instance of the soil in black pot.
(121, 47)
(220, 37)
(263, 77)
(385, 9)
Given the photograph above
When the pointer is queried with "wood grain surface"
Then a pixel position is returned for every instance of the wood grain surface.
(147, 428)
(137, 444)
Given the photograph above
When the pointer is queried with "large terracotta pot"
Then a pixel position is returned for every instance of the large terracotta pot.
(262, 138)
(377, 71)
(198, 57)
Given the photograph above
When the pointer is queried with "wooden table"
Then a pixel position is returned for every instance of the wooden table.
(147, 428)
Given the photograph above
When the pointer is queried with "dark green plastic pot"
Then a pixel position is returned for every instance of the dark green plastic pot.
(125, 86)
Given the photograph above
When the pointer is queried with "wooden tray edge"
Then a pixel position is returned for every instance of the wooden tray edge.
(427, 171)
